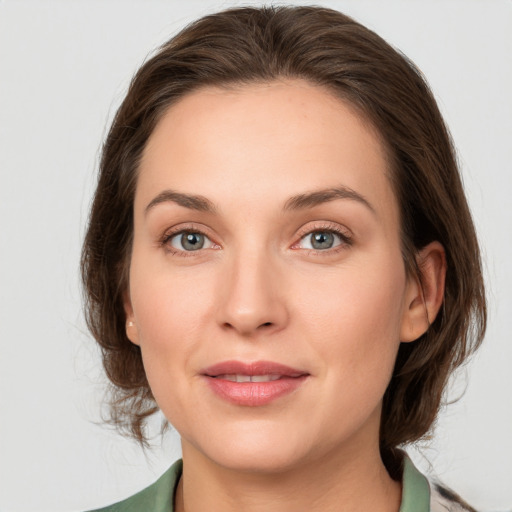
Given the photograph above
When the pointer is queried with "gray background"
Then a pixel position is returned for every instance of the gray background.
(64, 67)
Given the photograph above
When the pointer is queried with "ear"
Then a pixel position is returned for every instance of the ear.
(424, 298)
(132, 332)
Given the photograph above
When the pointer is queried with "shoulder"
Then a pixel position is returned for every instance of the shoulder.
(158, 497)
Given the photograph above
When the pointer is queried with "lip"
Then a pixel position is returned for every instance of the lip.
(253, 394)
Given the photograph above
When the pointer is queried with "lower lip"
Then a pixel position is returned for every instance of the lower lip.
(253, 394)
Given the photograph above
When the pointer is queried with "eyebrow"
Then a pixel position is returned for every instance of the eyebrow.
(298, 202)
(315, 198)
(191, 201)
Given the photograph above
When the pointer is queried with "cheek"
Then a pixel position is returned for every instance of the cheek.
(356, 336)
(167, 299)
(169, 308)
(166, 312)
(354, 317)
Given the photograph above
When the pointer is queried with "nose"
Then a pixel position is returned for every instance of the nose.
(253, 296)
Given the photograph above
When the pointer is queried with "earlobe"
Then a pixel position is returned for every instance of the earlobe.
(424, 294)
(132, 333)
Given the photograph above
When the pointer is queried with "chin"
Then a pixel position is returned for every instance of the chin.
(259, 461)
(263, 449)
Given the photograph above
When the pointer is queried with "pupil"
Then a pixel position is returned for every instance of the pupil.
(322, 240)
(192, 241)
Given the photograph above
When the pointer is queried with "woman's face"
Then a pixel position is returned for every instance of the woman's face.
(267, 288)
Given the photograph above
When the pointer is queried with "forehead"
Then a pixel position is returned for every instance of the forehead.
(270, 140)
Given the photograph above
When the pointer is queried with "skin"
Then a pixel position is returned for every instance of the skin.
(257, 291)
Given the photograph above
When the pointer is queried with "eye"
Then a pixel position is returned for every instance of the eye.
(322, 240)
(189, 241)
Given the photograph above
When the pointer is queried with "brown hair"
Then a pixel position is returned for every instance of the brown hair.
(324, 47)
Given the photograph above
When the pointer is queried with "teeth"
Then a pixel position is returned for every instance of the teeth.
(264, 378)
(248, 378)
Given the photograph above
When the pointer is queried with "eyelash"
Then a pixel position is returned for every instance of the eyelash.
(346, 239)
(169, 235)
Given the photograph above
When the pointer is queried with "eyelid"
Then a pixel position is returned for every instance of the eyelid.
(170, 233)
(324, 225)
(344, 233)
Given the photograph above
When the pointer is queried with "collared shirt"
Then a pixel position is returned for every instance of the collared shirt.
(416, 494)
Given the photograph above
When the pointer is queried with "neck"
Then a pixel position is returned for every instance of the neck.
(352, 482)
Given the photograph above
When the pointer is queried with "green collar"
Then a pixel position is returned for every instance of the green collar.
(159, 496)
(415, 489)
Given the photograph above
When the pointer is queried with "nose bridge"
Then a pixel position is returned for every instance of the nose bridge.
(252, 298)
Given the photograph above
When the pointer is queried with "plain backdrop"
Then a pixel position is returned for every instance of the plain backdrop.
(64, 67)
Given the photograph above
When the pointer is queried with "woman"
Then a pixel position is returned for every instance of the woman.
(281, 258)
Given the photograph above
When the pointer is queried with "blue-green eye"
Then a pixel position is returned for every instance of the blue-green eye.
(321, 240)
(190, 241)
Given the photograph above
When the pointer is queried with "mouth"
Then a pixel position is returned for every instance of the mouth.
(253, 384)
(248, 378)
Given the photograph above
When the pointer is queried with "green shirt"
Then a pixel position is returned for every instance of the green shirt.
(159, 497)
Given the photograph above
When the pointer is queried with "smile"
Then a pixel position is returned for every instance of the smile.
(253, 384)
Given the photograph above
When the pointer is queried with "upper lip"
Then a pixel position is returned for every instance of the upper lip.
(252, 368)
